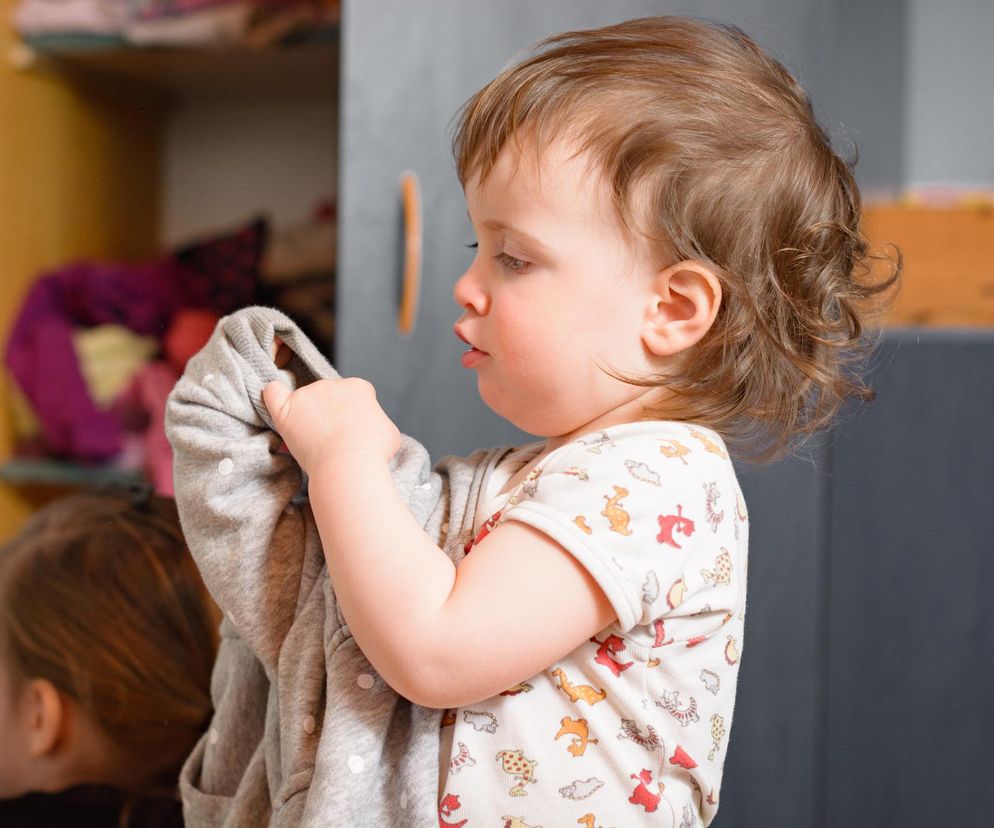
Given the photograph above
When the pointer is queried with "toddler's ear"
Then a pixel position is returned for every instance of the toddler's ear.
(44, 716)
(683, 304)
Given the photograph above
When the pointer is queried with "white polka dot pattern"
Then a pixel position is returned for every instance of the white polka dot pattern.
(226, 466)
(356, 764)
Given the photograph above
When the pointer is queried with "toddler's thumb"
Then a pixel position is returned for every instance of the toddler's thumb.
(275, 396)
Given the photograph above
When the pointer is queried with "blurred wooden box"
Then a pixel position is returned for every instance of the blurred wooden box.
(948, 262)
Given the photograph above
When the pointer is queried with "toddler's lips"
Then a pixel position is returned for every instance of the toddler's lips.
(471, 357)
(472, 347)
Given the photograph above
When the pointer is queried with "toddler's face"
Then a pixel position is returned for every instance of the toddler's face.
(556, 292)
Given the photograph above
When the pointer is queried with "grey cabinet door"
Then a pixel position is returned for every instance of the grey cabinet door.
(774, 771)
(406, 68)
(911, 672)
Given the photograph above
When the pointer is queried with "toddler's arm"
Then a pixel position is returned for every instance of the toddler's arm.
(440, 636)
(253, 538)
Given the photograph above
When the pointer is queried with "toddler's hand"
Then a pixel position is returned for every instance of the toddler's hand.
(329, 419)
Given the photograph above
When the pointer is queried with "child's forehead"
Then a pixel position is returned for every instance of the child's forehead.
(557, 173)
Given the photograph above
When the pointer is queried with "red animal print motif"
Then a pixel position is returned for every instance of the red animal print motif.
(642, 795)
(668, 524)
(449, 804)
(611, 644)
(680, 757)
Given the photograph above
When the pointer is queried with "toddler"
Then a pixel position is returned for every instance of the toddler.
(669, 263)
(107, 641)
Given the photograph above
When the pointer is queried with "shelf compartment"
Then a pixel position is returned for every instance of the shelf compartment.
(305, 69)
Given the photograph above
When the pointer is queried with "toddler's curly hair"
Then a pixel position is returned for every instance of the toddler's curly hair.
(712, 152)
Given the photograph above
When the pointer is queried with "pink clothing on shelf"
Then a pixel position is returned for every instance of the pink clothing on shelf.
(147, 395)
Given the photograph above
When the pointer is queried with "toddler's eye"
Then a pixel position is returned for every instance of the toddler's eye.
(512, 264)
(473, 246)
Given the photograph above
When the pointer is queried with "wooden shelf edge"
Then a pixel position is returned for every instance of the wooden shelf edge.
(64, 473)
(303, 67)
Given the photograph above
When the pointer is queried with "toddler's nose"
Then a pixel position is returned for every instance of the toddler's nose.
(469, 292)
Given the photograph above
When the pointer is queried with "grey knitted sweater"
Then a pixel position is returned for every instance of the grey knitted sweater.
(304, 731)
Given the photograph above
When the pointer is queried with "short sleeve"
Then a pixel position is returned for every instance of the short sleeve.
(647, 509)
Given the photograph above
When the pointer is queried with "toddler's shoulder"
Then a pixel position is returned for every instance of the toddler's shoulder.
(650, 451)
(635, 480)
(650, 508)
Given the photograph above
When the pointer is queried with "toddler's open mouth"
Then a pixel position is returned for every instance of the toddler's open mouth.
(471, 356)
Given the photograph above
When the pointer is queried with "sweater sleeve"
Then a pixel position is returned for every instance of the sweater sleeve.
(237, 493)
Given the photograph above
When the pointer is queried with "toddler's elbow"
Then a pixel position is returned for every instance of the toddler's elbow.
(439, 690)
(427, 692)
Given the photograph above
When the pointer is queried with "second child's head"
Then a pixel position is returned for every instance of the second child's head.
(663, 230)
(107, 641)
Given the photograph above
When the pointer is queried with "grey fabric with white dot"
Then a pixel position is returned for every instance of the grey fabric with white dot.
(304, 732)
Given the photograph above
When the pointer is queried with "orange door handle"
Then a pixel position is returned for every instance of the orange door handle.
(410, 192)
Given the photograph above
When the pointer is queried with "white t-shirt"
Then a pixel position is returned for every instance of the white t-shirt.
(632, 727)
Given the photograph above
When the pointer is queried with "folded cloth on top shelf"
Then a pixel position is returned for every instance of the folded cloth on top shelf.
(255, 23)
(99, 17)
(156, 9)
(212, 26)
(189, 23)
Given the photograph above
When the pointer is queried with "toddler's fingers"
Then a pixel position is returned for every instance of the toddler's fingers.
(275, 396)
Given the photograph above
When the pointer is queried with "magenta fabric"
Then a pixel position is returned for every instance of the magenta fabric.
(219, 273)
(40, 353)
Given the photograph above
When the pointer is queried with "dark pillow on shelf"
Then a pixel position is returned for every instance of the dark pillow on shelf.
(228, 265)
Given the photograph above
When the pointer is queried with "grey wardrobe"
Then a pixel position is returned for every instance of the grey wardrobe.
(868, 668)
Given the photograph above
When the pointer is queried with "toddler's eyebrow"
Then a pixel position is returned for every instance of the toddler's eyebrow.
(495, 224)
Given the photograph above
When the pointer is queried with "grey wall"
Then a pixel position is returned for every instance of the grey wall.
(868, 108)
(949, 111)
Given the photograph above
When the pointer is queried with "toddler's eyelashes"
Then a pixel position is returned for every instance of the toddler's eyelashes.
(473, 246)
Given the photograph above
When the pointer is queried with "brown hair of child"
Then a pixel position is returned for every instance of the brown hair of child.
(712, 152)
(101, 597)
